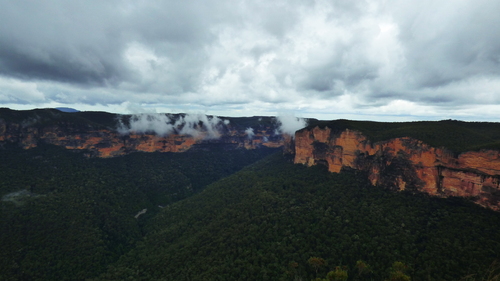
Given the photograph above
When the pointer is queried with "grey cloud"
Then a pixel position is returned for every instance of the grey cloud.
(83, 43)
(449, 41)
(437, 100)
(58, 66)
(324, 80)
(278, 54)
(59, 41)
(276, 17)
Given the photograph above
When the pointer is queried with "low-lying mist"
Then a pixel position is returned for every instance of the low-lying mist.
(197, 125)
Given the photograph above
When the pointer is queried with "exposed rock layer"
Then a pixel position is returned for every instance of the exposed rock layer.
(102, 142)
(404, 163)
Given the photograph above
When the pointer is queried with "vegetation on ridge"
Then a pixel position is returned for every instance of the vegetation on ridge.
(104, 120)
(457, 136)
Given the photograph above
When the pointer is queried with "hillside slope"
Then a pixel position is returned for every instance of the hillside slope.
(66, 217)
(266, 221)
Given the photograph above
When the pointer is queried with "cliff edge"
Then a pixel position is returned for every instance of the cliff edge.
(108, 135)
(403, 163)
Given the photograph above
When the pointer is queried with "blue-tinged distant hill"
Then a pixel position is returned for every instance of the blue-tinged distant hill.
(67, 109)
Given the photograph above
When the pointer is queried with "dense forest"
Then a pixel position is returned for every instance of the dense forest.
(64, 216)
(214, 213)
(457, 136)
(267, 221)
(67, 217)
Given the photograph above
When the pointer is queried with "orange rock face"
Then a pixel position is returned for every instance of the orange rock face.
(107, 143)
(404, 163)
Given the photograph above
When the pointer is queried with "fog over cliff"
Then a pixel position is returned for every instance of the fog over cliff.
(249, 132)
(197, 125)
(194, 125)
(289, 124)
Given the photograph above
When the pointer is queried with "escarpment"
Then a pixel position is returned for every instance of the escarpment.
(404, 163)
(29, 129)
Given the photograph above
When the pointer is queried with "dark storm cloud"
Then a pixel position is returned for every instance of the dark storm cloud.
(61, 66)
(83, 42)
(447, 41)
(55, 40)
(253, 56)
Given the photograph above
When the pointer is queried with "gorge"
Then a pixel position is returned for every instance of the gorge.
(445, 158)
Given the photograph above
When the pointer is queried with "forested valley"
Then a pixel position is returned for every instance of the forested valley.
(67, 217)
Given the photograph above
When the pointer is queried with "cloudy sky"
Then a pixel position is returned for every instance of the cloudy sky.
(373, 60)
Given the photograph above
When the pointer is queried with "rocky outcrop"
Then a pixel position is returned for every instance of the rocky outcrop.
(100, 141)
(404, 164)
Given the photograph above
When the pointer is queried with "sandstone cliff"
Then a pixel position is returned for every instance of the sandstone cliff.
(28, 129)
(404, 163)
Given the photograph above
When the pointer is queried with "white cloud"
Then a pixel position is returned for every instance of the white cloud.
(159, 124)
(199, 124)
(196, 125)
(18, 91)
(249, 132)
(289, 124)
(328, 59)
